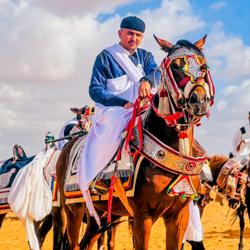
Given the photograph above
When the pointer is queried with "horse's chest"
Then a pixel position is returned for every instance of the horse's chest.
(159, 182)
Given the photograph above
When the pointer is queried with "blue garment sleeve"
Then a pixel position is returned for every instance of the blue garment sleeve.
(152, 74)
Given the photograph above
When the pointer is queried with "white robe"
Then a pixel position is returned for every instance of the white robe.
(194, 231)
(30, 197)
(109, 122)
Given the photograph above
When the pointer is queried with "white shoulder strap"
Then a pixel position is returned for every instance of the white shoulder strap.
(121, 57)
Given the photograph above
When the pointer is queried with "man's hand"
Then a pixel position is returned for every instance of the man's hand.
(144, 89)
(128, 105)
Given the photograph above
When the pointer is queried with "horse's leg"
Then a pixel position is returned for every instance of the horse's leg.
(111, 238)
(175, 229)
(101, 242)
(248, 201)
(2, 216)
(74, 219)
(59, 228)
(240, 213)
(141, 232)
(91, 235)
(42, 228)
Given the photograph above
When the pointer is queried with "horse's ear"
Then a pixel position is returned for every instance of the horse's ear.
(200, 43)
(76, 111)
(165, 45)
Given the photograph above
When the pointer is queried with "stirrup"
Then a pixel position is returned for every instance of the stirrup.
(98, 187)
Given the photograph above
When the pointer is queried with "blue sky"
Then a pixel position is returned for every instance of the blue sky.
(48, 48)
(235, 15)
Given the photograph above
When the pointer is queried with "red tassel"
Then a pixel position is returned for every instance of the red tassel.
(111, 191)
(131, 125)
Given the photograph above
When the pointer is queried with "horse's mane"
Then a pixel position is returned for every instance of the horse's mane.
(216, 161)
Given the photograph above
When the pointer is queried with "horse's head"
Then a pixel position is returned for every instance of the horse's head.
(83, 116)
(186, 86)
(230, 177)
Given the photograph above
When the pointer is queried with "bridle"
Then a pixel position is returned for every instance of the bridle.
(178, 99)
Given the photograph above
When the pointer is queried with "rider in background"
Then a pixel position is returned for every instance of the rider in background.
(49, 141)
(241, 142)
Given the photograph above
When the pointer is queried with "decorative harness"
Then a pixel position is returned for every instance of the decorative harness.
(174, 100)
(230, 184)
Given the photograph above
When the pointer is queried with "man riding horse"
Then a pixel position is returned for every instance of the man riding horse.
(121, 73)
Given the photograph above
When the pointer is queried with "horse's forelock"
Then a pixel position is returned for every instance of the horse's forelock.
(188, 45)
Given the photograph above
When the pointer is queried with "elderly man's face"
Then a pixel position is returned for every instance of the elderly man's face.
(130, 39)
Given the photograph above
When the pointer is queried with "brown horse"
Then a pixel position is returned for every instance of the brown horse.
(185, 94)
(240, 201)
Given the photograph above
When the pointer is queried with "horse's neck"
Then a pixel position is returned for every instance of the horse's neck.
(158, 127)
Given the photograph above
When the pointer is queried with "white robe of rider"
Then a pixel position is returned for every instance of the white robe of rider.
(241, 143)
(115, 81)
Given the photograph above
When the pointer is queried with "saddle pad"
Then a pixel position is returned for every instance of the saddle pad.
(74, 195)
(125, 168)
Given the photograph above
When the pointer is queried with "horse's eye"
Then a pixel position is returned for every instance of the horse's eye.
(175, 66)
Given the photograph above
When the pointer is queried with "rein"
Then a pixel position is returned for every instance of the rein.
(131, 125)
(171, 120)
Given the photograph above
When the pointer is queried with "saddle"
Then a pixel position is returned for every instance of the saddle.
(101, 183)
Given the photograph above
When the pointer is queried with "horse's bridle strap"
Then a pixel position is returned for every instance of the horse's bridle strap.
(167, 158)
(171, 120)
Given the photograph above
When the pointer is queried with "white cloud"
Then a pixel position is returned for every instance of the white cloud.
(229, 57)
(229, 114)
(218, 5)
(79, 7)
(47, 52)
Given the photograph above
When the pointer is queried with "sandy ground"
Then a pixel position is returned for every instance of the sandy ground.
(219, 233)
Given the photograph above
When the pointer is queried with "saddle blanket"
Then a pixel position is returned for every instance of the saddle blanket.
(125, 168)
(74, 195)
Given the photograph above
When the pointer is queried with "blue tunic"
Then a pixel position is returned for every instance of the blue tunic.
(105, 67)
